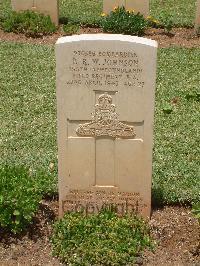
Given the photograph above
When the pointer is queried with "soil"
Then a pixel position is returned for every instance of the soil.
(181, 37)
(177, 234)
(174, 229)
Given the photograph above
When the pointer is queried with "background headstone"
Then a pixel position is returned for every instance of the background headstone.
(19, 5)
(197, 20)
(141, 6)
(105, 103)
(46, 7)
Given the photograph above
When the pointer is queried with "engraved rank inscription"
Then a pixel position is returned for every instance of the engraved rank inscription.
(105, 121)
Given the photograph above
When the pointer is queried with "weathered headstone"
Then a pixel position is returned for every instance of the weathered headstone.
(105, 103)
(46, 7)
(141, 6)
(19, 5)
(197, 20)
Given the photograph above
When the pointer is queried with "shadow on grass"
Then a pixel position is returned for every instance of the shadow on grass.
(63, 20)
(157, 198)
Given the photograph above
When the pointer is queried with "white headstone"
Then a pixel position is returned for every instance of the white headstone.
(141, 6)
(197, 20)
(46, 7)
(105, 103)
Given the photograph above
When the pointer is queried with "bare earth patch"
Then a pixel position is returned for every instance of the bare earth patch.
(177, 234)
(33, 247)
(179, 37)
(174, 229)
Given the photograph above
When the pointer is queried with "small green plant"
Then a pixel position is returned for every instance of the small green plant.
(166, 22)
(196, 210)
(196, 213)
(193, 95)
(167, 108)
(152, 22)
(124, 21)
(70, 28)
(19, 198)
(28, 22)
(168, 26)
(99, 239)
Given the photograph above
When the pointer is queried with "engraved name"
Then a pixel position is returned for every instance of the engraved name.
(105, 68)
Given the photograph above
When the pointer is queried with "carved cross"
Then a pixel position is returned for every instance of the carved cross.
(105, 127)
(34, 4)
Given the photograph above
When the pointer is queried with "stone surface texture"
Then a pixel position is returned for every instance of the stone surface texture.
(141, 6)
(105, 106)
(197, 20)
(46, 7)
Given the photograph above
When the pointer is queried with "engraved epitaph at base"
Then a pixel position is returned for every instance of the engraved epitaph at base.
(97, 198)
(105, 121)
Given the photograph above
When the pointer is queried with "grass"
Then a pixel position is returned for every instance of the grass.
(5, 7)
(177, 151)
(181, 12)
(28, 118)
(83, 12)
(27, 111)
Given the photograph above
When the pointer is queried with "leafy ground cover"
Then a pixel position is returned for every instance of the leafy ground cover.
(125, 22)
(19, 198)
(181, 13)
(30, 23)
(79, 240)
(175, 230)
(28, 118)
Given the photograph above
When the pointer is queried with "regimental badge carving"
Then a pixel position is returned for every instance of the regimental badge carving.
(105, 121)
